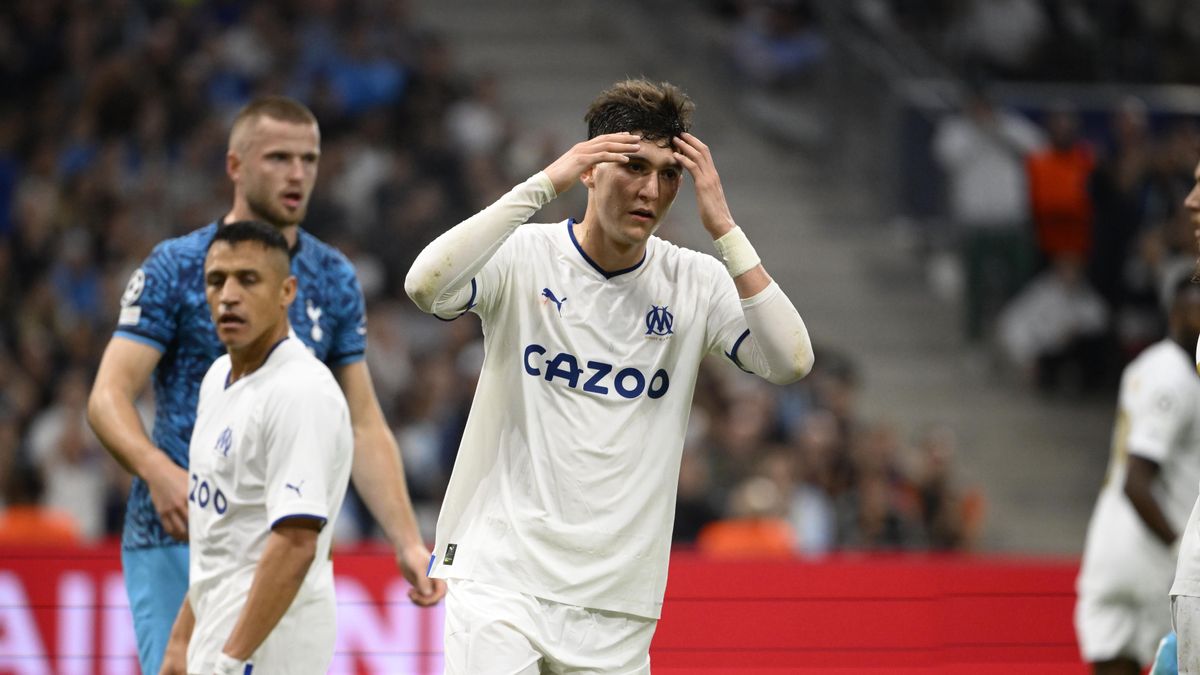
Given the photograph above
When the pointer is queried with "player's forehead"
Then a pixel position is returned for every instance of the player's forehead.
(267, 134)
(242, 256)
(658, 153)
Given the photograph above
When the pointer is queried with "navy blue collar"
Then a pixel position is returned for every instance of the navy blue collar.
(601, 270)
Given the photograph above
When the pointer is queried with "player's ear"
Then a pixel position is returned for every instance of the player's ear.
(588, 177)
(289, 290)
(233, 164)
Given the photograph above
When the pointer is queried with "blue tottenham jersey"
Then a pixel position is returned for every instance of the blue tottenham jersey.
(164, 306)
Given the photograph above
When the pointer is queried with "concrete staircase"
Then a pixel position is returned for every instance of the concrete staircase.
(822, 235)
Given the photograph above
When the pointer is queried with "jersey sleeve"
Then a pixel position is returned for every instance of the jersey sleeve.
(482, 294)
(350, 332)
(301, 425)
(488, 286)
(149, 304)
(1159, 403)
(762, 334)
(726, 330)
(445, 278)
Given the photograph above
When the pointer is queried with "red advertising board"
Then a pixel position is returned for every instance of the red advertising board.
(65, 612)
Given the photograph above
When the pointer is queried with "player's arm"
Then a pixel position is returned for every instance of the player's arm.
(289, 552)
(439, 280)
(1139, 477)
(175, 657)
(778, 346)
(378, 476)
(124, 370)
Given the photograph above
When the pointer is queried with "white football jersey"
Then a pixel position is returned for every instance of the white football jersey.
(565, 481)
(1158, 408)
(1187, 571)
(275, 444)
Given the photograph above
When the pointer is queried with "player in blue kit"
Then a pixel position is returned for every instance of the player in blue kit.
(164, 332)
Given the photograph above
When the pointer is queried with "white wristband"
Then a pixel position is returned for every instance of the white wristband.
(227, 665)
(737, 252)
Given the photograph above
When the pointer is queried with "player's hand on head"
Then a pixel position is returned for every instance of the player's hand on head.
(414, 563)
(169, 492)
(697, 159)
(565, 171)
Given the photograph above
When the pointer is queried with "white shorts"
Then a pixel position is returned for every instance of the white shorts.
(1185, 614)
(1120, 625)
(494, 631)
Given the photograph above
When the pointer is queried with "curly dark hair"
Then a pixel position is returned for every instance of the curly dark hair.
(658, 111)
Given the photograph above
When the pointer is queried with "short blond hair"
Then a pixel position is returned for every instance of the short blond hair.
(279, 108)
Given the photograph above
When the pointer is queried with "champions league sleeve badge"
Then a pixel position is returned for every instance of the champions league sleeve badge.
(131, 313)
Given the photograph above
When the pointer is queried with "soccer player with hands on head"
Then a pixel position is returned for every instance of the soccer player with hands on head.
(556, 526)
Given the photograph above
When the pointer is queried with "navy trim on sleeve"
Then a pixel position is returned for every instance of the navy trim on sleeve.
(300, 515)
(470, 303)
(139, 338)
(732, 354)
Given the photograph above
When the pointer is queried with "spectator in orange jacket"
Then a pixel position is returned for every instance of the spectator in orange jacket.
(1060, 203)
(25, 522)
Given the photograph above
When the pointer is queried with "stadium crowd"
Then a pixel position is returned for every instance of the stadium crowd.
(1057, 226)
(112, 138)
(1152, 41)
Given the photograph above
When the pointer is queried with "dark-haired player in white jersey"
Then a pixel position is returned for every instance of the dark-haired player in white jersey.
(269, 461)
(556, 527)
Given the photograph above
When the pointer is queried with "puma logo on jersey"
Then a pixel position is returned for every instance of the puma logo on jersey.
(314, 315)
(296, 488)
(549, 295)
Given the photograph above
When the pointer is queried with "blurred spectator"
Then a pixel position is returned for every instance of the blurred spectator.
(812, 512)
(477, 123)
(999, 38)
(776, 43)
(24, 520)
(1058, 188)
(1157, 257)
(983, 151)
(1119, 192)
(951, 513)
(879, 510)
(739, 436)
(76, 470)
(755, 526)
(1054, 330)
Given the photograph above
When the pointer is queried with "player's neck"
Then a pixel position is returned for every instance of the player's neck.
(241, 211)
(247, 359)
(608, 254)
